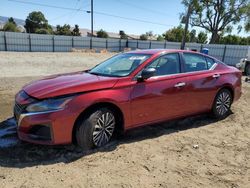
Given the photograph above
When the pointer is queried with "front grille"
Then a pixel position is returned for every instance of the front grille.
(18, 110)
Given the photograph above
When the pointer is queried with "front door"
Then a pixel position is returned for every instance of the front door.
(160, 97)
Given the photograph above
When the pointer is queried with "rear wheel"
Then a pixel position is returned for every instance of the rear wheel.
(222, 104)
(247, 69)
(97, 129)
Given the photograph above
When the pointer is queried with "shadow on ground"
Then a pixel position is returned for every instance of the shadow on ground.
(20, 154)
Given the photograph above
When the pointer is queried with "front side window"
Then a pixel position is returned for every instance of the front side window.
(120, 65)
(166, 65)
(194, 62)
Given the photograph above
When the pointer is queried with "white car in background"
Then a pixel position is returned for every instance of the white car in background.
(244, 64)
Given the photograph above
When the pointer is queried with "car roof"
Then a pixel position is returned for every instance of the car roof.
(161, 51)
(157, 51)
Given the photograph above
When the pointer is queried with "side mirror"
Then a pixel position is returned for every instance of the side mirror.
(147, 73)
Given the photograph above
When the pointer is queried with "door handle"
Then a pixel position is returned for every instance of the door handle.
(216, 75)
(181, 84)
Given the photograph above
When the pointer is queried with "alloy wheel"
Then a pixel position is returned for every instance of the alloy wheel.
(103, 129)
(223, 103)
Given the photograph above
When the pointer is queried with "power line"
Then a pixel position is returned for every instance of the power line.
(133, 19)
(96, 12)
(142, 8)
(44, 5)
(64, 15)
(72, 14)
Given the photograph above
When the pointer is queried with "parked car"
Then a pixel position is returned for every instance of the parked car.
(244, 64)
(129, 90)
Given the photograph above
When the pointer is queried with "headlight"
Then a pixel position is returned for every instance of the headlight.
(48, 105)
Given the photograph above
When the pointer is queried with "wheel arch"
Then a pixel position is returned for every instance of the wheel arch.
(86, 112)
(228, 87)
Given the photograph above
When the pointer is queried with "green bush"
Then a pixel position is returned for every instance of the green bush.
(102, 34)
(11, 27)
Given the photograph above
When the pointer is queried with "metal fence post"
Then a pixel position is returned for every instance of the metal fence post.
(72, 42)
(127, 43)
(165, 44)
(5, 41)
(120, 45)
(29, 43)
(150, 44)
(224, 53)
(90, 45)
(53, 43)
(137, 45)
(106, 44)
(201, 47)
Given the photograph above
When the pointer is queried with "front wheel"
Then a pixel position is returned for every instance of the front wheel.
(96, 129)
(222, 104)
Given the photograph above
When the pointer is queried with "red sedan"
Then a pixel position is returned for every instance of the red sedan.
(126, 91)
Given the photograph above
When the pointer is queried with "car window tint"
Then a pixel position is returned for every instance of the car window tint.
(210, 62)
(194, 62)
(166, 64)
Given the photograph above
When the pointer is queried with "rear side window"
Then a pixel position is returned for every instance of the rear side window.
(210, 62)
(194, 62)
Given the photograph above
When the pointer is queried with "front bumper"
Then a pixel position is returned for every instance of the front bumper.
(47, 128)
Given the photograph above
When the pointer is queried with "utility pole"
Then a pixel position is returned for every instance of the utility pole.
(92, 21)
(184, 37)
(92, 18)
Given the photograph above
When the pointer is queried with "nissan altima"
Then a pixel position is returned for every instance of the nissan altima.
(128, 90)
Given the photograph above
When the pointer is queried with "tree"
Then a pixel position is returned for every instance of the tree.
(175, 34)
(160, 38)
(217, 16)
(43, 31)
(11, 20)
(150, 35)
(123, 35)
(147, 36)
(35, 21)
(102, 34)
(76, 31)
(10, 26)
(143, 37)
(193, 36)
(202, 38)
(63, 30)
(234, 39)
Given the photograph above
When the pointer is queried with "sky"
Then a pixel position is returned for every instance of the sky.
(166, 13)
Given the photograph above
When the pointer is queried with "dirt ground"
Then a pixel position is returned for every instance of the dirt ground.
(192, 152)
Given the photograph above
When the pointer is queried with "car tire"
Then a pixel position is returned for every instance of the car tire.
(222, 104)
(96, 129)
(247, 70)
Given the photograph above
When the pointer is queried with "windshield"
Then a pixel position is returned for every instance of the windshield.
(120, 65)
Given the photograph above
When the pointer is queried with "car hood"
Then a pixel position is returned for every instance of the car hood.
(65, 84)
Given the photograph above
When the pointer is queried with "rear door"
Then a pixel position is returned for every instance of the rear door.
(202, 79)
